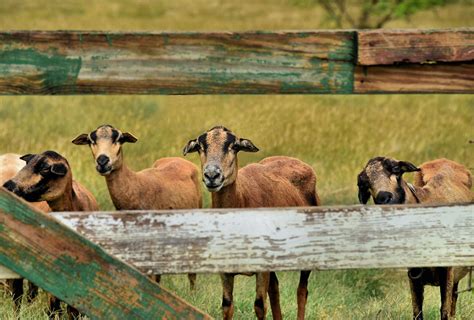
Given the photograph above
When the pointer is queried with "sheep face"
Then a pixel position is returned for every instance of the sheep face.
(106, 146)
(382, 179)
(218, 148)
(44, 177)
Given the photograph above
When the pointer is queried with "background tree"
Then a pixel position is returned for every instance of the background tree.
(367, 14)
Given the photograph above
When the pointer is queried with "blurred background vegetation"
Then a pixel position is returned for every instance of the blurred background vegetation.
(336, 135)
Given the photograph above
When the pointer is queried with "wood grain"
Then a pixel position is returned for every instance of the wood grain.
(439, 78)
(248, 240)
(74, 62)
(299, 62)
(77, 271)
(384, 47)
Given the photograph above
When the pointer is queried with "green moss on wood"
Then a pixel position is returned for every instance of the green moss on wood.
(53, 70)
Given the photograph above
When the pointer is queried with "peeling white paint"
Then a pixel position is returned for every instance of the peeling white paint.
(277, 239)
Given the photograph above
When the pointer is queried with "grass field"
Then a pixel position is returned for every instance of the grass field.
(336, 135)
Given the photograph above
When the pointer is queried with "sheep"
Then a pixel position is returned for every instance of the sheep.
(47, 177)
(172, 183)
(10, 164)
(439, 181)
(273, 182)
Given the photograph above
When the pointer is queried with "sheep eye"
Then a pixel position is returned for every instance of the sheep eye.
(396, 169)
(45, 170)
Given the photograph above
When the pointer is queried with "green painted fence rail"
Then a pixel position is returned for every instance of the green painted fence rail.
(57, 259)
(280, 62)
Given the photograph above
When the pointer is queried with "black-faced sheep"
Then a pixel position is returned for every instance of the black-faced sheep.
(48, 177)
(172, 183)
(10, 164)
(273, 182)
(439, 181)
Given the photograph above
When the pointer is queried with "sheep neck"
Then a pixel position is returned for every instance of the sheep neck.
(228, 197)
(117, 182)
(67, 201)
(410, 197)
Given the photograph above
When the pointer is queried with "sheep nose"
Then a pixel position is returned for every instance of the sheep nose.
(212, 172)
(102, 160)
(383, 197)
(10, 185)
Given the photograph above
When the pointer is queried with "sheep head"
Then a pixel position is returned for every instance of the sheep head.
(382, 179)
(106, 146)
(45, 177)
(218, 148)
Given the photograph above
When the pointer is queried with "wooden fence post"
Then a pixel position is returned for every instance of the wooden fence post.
(57, 259)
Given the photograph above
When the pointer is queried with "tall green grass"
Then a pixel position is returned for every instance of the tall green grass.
(336, 135)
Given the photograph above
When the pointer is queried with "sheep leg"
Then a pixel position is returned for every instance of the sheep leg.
(455, 300)
(192, 280)
(260, 305)
(227, 295)
(32, 292)
(274, 295)
(16, 288)
(72, 313)
(155, 277)
(302, 294)
(416, 288)
(54, 306)
(446, 290)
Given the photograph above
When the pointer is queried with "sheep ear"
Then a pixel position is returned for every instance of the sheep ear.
(59, 169)
(81, 139)
(363, 184)
(406, 166)
(27, 157)
(191, 146)
(245, 145)
(127, 137)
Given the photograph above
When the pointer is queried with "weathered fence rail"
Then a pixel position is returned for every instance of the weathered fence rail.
(346, 61)
(246, 240)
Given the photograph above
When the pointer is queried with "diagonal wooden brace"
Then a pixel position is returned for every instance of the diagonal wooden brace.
(79, 272)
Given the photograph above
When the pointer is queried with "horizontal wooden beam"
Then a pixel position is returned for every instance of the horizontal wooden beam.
(249, 240)
(440, 78)
(72, 268)
(280, 62)
(66, 62)
(385, 47)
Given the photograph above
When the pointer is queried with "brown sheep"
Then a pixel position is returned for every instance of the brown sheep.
(172, 183)
(439, 181)
(47, 177)
(273, 182)
(10, 164)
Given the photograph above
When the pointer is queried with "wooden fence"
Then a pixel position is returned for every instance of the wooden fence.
(348, 61)
(88, 267)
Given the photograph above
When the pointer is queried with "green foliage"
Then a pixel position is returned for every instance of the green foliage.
(370, 13)
(407, 8)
